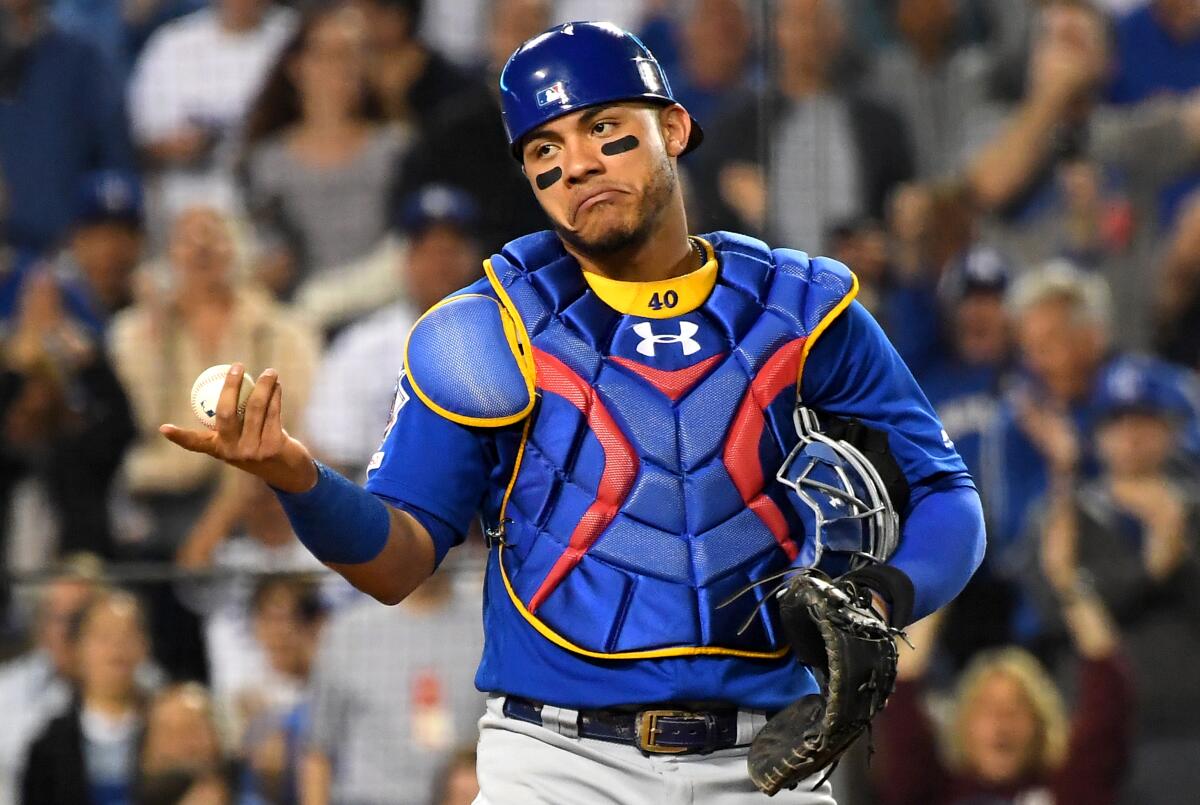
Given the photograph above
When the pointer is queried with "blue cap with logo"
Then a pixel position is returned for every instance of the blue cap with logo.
(574, 66)
(1145, 386)
(108, 196)
(437, 204)
(981, 270)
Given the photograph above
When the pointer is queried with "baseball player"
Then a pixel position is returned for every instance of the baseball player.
(711, 489)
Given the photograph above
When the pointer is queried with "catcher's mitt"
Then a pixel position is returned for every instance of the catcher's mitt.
(834, 630)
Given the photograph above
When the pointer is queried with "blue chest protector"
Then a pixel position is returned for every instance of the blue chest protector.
(643, 493)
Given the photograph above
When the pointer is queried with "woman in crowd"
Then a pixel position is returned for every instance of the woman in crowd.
(1009, 739)
(319, 161)
(89, 753)
(181, 759)
(159, 346)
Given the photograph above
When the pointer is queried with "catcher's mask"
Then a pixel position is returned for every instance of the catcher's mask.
(839, 492)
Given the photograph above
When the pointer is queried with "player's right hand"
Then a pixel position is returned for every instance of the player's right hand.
(255, 442)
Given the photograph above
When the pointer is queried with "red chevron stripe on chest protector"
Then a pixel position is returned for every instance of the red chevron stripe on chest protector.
(620, 466)
(741, 455)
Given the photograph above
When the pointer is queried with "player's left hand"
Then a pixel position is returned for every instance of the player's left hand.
(834, 630)
(255, 442)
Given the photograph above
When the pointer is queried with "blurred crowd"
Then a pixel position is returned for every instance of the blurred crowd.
(1016, 184)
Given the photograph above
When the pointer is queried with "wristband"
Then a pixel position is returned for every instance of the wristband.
(337, 520)
(894, 585)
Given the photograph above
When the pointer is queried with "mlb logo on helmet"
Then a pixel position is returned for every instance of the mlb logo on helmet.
(555, 93)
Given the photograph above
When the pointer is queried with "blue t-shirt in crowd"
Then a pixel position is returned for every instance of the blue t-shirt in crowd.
(1151, 62)
(65, 119)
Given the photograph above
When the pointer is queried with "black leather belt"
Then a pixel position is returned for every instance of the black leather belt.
(652, 731)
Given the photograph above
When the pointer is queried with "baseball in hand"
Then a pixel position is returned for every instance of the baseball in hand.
(207, 390)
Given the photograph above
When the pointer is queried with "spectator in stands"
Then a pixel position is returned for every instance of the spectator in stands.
(89, 753)
(831, 154)
(965, 385)
(707, 55)
(288, 615)
(118, 31)
(936, 85)
(465, 145)
(189, 93)
(1157, 49)
(412, 79)
(65, 422)
(1009, 739)
(62, 116)
(349, 409)
(1058, 163)
(1134, 530)
(1158, 53)
(456, 783)
(181, 759)
(1062, 320)
(392, 692)
(319, 163)
(37, 685)
(160, 345)
(239, 544)
(1177, 302)
(104, 246)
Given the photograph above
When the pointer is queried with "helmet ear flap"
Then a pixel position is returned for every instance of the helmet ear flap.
(839, 496)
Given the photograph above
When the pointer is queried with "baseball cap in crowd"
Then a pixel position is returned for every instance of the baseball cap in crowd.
(1144, 386)
(981, 270)
(436, 204)
(110, 196)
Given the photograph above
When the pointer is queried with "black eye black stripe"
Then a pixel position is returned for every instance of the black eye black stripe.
(626, 143)
(548, 178)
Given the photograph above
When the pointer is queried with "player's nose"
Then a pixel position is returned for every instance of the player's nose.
(582, 162)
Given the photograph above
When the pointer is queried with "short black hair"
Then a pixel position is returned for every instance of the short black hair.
(302, 586)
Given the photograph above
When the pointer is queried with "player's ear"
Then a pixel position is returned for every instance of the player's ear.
(676, 127)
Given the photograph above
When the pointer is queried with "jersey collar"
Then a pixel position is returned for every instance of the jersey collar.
(660, 299)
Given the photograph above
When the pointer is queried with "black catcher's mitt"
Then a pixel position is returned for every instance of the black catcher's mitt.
(833, 629)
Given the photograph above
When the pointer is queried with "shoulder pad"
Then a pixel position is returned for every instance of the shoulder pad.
(814, 289)
(464, 360)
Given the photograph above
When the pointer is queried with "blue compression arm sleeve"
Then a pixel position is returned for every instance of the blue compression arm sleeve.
(338, 520)
(941, 544)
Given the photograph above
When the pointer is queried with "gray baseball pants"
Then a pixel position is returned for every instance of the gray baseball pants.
(527, 764)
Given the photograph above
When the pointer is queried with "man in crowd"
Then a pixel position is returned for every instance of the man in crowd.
(831, 154)
(351, 404)
(62, 116)
(190, 90)
(37, 685)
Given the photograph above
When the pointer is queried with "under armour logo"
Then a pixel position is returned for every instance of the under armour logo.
(687, 329)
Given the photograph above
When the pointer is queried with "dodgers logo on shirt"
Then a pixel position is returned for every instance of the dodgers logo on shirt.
(555, 93)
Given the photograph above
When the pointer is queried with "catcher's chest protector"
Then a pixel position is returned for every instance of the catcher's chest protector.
(644, 493)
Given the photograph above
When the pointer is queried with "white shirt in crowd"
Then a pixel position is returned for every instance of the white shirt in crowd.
(31, 694)
(348, 410)
(194, 72)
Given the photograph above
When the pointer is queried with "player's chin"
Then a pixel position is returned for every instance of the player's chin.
(603, 235)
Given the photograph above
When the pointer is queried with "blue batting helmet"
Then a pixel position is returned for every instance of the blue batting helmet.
(574, 66)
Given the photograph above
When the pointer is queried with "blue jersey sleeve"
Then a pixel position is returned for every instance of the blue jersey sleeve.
(433, 468)
(854, 372)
